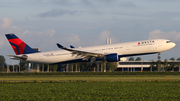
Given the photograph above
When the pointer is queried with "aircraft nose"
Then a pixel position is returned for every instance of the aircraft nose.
(173, 44)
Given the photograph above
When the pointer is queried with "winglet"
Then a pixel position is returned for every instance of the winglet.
(72, 46)
(60, 46)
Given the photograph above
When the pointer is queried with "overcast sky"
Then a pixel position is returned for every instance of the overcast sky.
(43, 23)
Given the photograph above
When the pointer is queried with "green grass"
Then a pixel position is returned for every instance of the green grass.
(89, 73)
(94, 78)
(90, 91)
(90, 87)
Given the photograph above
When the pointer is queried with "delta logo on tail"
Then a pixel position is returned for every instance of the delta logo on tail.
(18, 45)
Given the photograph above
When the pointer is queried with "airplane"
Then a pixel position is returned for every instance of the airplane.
(109, 52)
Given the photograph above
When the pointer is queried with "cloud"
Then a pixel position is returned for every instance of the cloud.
(47, 32)
(163, 0)
(104, 34)
(127, 4)
(5, 28)
(97, 3)
(174, 36)
(107, 1)
(87, 2)
(73, 39)
(56, 13)
(7, 22)
(62, 2)
(166, 15)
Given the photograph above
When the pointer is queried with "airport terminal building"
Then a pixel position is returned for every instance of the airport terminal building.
(146, 66)
(134, 65)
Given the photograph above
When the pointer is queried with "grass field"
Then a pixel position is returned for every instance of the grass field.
(92, 78)
(90, 87)
(91, 91)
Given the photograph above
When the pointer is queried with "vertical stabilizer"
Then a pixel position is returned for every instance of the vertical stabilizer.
(18, 45)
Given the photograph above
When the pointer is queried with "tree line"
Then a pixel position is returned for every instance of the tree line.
(162, 65)
(85, 66)
(80, 66)
(139, 59)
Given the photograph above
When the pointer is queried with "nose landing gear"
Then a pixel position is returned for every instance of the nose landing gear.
(159, 57)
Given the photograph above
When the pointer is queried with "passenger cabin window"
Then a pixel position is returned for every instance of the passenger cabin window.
(168, 41)
(117, 47)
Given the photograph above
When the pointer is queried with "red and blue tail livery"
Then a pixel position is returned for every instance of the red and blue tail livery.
(18, 45)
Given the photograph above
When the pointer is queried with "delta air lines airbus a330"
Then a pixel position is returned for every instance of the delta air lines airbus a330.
(109, 53)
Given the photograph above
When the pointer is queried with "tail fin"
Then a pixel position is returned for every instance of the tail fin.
(18, 45)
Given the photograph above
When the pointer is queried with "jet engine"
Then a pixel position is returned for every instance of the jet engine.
(111, 57)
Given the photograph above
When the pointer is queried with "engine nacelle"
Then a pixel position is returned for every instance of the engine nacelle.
(111, 57)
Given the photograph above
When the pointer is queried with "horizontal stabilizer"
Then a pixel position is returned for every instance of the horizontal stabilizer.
(17, 57)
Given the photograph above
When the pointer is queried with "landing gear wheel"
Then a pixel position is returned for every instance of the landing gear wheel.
(159, 57)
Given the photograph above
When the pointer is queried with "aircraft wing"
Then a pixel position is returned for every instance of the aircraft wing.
(83, 54)
(18, 57)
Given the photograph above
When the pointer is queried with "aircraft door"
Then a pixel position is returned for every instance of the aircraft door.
(159, 44)
(128, 47)
(40, 57)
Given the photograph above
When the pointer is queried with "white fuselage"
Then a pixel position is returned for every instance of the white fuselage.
(122, 49)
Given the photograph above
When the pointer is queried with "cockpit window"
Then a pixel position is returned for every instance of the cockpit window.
(168, 41)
